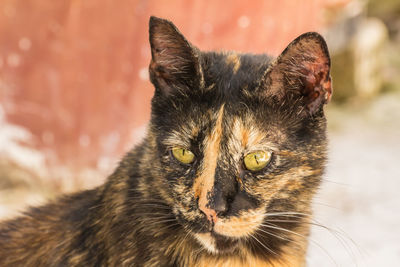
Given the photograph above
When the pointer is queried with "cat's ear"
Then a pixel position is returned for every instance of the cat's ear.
(302, 72)
(175, 64)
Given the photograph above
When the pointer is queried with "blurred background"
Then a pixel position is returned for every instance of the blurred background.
(75, 96)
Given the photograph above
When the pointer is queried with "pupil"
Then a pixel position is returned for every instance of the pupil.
(255, 158)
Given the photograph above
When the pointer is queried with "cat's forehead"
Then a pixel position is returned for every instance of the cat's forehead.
(232, 71)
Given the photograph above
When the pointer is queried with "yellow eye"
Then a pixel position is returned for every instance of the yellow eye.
(183, 155)
(257, 160)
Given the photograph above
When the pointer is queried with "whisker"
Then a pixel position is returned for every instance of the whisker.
(153, 213)
(275, 235)
(160, 222)
(286, 213)
(154, 205)
(165, 227)
(335, 233)
(326, 205)
(341, 236)
(184, 238)
(267, 248)
(344, 240)
(273, 226)
(337, 183)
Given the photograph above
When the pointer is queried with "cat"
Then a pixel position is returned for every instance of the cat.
(234, 152)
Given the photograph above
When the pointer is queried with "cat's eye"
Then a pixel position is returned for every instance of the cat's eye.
(183, 155)
(258, 160)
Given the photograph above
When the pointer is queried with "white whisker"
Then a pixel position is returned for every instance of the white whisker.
(267, 248)
(274, 226)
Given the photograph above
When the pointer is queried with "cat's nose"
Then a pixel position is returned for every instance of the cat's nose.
(219, 203)
(217, 206)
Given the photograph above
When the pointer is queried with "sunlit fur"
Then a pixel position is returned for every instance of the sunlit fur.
(157, 211)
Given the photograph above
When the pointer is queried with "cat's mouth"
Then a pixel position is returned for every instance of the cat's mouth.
(240, 226)
(225, 234)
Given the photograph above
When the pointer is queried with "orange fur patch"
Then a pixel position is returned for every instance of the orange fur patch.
(234, 60)
(205, 182)
(246, 136)
(248, 260)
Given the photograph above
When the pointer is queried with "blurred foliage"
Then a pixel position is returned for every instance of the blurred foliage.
(366, 58)
(384, 9)
(343, 75)
(389, 12)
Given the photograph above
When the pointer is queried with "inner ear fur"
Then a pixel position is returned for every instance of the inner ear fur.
(302, 70)
(174, 64)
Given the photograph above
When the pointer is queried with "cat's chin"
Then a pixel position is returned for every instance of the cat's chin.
(225, 244)
(217, 244)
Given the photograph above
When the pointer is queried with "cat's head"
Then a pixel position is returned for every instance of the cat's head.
(239, 137)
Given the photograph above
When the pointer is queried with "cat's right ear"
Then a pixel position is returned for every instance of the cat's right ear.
(174, 66)
(301, 74)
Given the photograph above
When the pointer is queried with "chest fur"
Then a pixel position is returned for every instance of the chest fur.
(250, 261)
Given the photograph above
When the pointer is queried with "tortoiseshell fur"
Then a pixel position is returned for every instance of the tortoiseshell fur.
(152, 209)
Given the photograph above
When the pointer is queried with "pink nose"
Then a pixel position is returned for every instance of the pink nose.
(210, 213)
(214, 206)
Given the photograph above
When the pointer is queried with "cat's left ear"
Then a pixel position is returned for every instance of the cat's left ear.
(175, 63)
(302, 72)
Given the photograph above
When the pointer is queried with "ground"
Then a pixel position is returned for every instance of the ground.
(359, 199)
